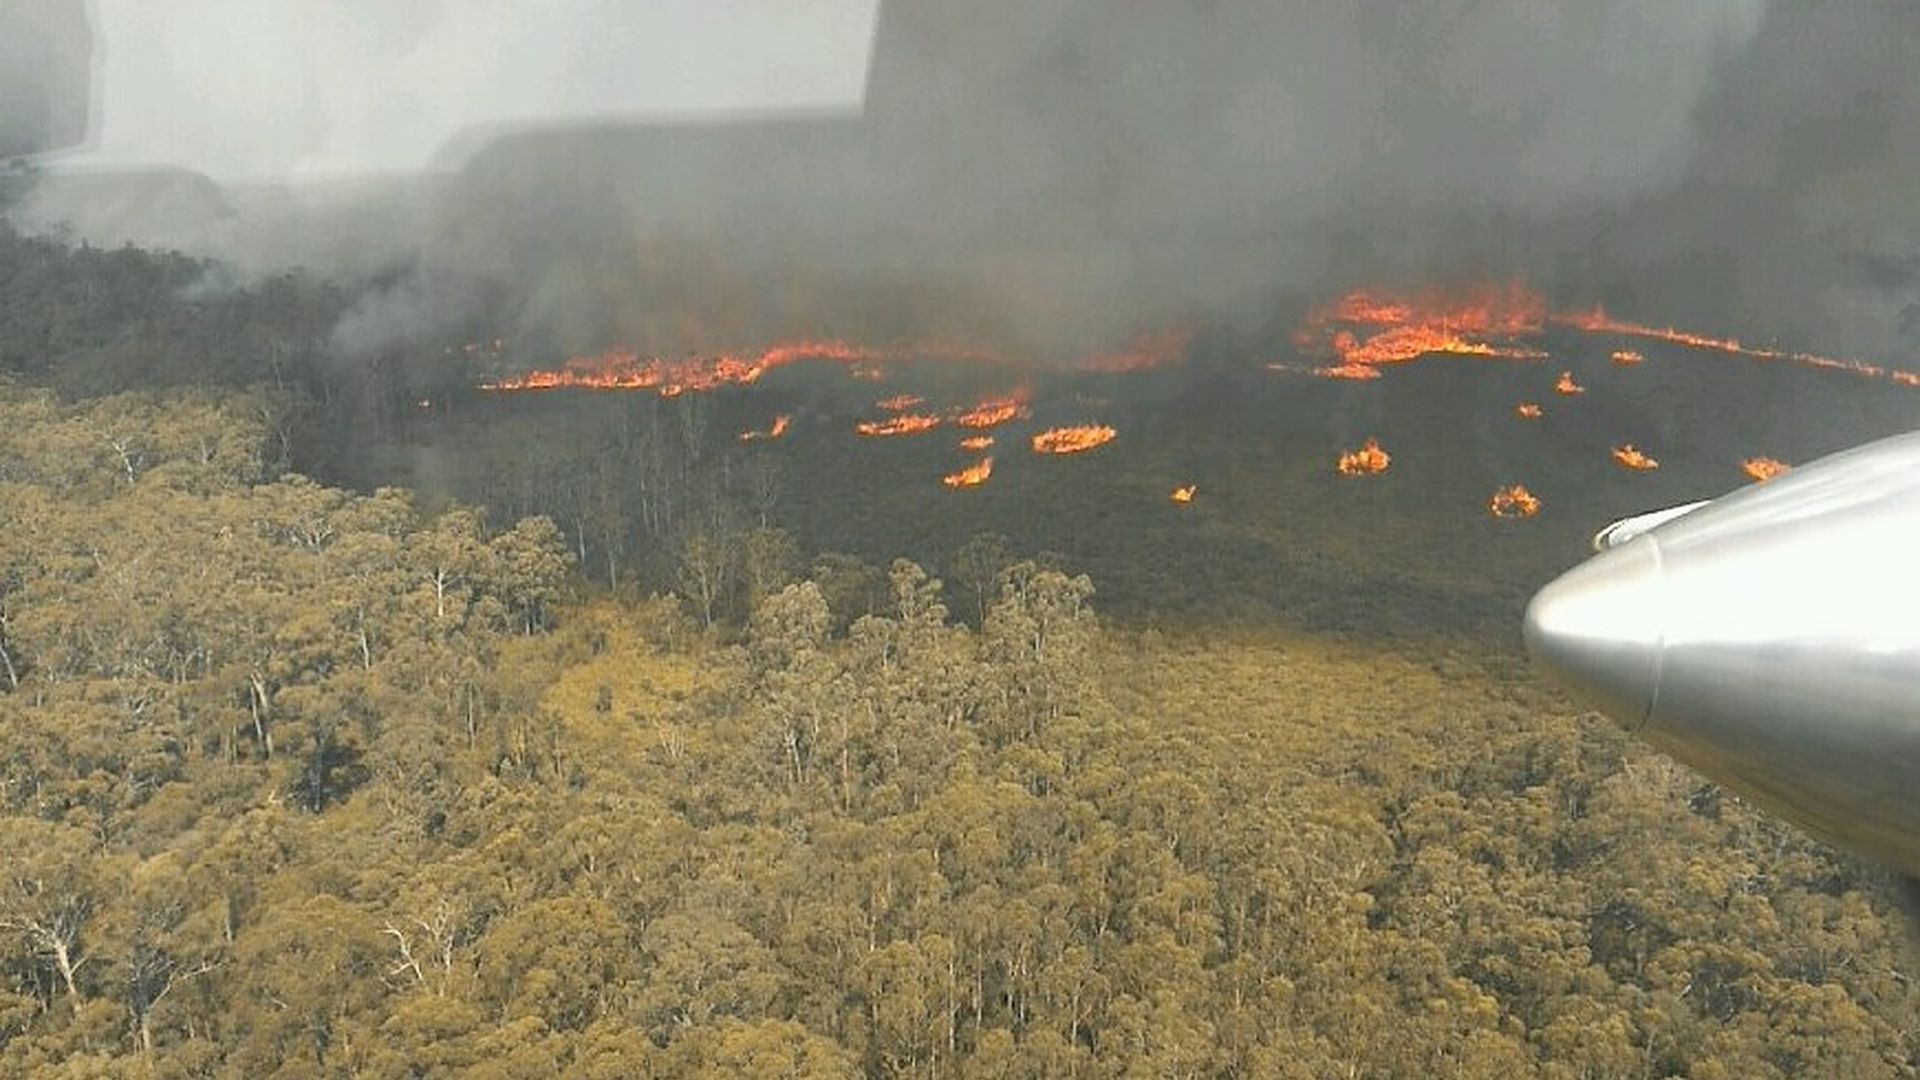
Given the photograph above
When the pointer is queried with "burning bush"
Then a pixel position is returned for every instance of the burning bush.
(1369, 460)
(1513, 501)
(972, 476)
(1072, 440)
(1630, 457)
(902, 424)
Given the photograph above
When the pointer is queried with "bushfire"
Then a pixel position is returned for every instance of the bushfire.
(1072, 440)
(993, 412)
(1513, 501)
(1629, 457)
(1369, 460)
(1365, 329)
(899, 424)
(623, 370)
(778, 429)
(972, 476)
(1355, 372)
(1598, 321)
(1355, 337)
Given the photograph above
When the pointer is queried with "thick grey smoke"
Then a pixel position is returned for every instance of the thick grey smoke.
(1798, 214)
(45, 61)
(1056, 175)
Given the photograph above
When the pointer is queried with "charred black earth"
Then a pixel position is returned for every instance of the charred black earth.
(1274, 533)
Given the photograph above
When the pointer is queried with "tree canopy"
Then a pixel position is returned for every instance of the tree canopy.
(304, 782)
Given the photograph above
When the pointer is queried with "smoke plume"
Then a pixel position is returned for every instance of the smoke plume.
(1053, 176)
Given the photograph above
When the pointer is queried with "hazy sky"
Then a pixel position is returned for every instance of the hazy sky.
(241, 88)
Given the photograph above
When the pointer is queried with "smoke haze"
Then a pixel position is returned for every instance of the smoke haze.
(1055, 176)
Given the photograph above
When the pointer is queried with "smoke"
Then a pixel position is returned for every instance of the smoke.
(1797, 215)
(1054, 176)
(44, 63)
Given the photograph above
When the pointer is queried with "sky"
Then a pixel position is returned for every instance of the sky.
(240, 89)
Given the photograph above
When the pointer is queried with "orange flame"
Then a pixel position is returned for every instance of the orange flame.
(621, 369)
(1513, 502)
(1527, 410)
(624, 370)
(1762, 469)
(900, 424)
(994, 411)
(1369, 460)
(977, 442)
(1598, 322)
(1566, 385)
(1631, 458)
(1356, 372)
(1182, 495)
(899, 402)
(1365, 329)
(1072, 440)
(972, 476)
(1361, 306)
(1504, 310)
(1403, 343)
(778, 429)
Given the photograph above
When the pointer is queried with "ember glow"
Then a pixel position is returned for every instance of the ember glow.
(1513, 502)
(977, 442)
(1182, 495)
(972, 476)
(778, 429)
(1527, 410)
(1369, 460)
(1566, 385)
(901, 424)
(899, 402)
(1629, 457)
(1072, 440)
(1762, 469)
(1627, 357)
